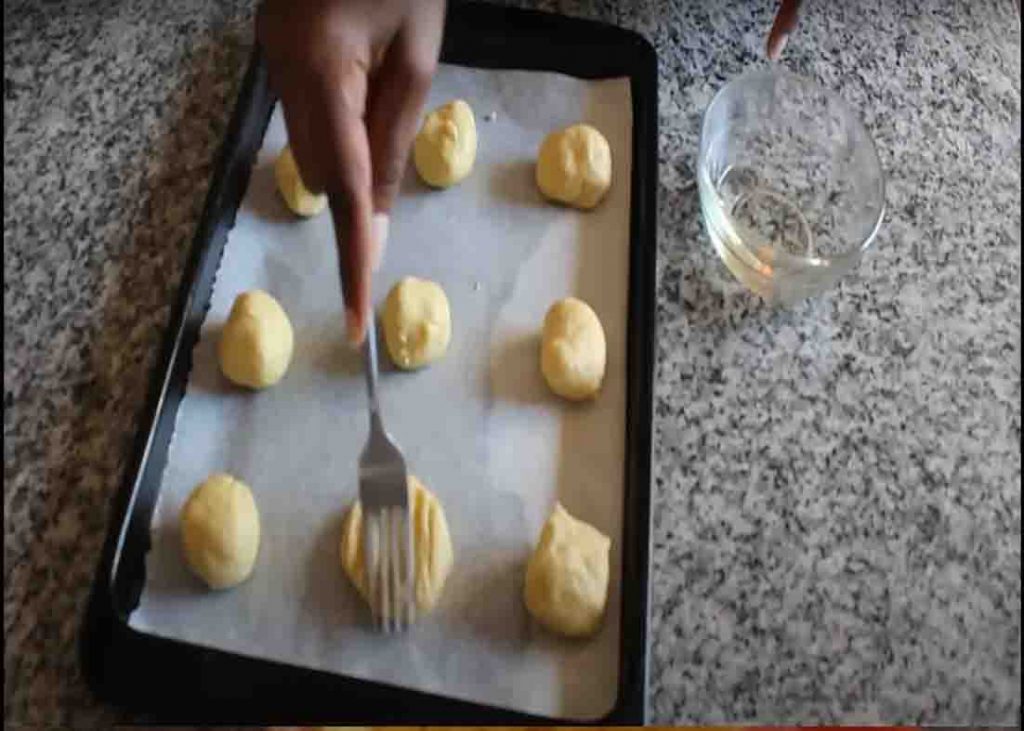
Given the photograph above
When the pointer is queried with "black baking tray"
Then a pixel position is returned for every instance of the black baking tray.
(170, 681)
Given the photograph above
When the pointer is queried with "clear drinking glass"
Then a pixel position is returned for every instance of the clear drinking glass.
(790, 184)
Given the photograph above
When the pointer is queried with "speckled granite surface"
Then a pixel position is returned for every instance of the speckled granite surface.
(837, 486)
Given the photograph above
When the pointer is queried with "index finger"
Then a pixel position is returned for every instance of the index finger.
(343, 159)
(785, 22)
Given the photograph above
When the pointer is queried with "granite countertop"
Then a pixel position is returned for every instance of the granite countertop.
(837, 516)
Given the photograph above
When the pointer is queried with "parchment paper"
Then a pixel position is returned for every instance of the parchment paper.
(479, 427)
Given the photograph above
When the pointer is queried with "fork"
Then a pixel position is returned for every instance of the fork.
(384, 494)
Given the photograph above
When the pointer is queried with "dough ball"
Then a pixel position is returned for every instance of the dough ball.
(256, 344)
(220, 531)
(417, 322)
(574, 166)
(445, 146)
(572, 349)
(293, 190)
(433, 546)
(567, 576)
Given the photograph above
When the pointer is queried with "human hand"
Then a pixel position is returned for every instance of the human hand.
(352, 76)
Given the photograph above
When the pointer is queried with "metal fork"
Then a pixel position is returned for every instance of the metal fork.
(384, 494)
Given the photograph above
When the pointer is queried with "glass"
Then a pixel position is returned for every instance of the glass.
(790, 184)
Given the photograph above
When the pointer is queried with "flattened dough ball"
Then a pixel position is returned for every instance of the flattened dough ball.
(567, 576)
(445, 146)
(220, 531)
(417, 322)
(433, 546)
(295, 193)
(573, 350)
(256, 343)
(574, 166)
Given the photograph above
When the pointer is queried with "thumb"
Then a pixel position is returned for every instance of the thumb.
(400, 87)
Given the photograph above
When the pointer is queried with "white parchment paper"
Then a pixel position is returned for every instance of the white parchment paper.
(479, 427)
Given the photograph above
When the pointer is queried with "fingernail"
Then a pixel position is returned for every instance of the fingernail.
(353, 328)
(776, 45)
(381, 224)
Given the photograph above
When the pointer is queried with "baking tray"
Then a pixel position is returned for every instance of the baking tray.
(198, 684)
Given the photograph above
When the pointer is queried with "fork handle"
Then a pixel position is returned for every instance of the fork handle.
(370, 367)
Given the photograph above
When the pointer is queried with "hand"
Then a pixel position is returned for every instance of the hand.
(785, 22)
(352, 76)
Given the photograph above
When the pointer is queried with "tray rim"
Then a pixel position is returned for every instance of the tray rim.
(110, 648)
